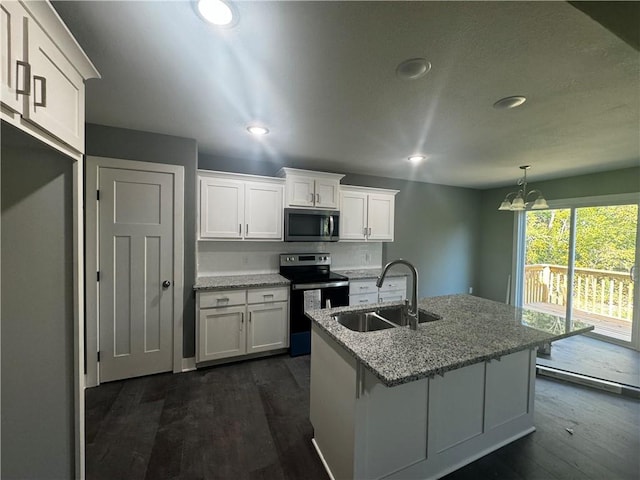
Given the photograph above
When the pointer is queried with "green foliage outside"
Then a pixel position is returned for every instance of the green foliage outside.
(605, 237)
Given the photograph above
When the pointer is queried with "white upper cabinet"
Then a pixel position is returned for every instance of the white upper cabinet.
(42, 75)
(240, 207)
(14, 81)
(367, 214)
(305, 188)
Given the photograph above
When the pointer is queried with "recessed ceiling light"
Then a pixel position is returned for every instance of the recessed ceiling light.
(216, 12)
(413, 68)
(417, 158)
(509, 102)
(257, 130)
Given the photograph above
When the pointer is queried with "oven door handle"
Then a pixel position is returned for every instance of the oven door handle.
(330, 226)
(313, 286)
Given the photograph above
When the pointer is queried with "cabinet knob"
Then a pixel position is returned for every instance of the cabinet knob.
(166, 284)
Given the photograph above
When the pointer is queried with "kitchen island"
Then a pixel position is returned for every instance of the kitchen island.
(399, 403)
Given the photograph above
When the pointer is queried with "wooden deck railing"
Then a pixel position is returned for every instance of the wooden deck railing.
(601, 292)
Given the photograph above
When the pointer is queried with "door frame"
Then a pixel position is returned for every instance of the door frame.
(573, 203)
(91, 257)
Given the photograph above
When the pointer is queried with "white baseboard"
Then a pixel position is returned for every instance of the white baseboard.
(188, 364)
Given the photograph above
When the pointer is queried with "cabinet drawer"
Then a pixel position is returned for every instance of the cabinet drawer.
(392, 297)
(393, 284)
(359, 287)
(363, 298)
(267, 295)
(224, 298)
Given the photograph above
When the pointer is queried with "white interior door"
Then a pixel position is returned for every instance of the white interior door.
(135, 259)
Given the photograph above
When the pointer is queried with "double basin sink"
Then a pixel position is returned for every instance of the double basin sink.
(381, 318)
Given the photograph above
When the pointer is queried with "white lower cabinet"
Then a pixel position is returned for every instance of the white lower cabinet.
(394, 289)
(267, 330)
(221, 333)
(241, 322)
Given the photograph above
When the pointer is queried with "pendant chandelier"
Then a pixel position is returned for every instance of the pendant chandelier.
(520, 198)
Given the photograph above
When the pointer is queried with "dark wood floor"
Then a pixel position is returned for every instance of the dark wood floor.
(250, 421)
(595, 358)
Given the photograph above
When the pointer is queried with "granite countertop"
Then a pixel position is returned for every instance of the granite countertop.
(471, 330)
(224, 282)
(365, 273)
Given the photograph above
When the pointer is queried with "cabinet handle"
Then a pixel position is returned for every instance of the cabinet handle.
(43, 91)
(241, 320)
(250, 316)
(369, 234)
(246, 230)
(365, 231)
(268, 295)
(364, 288)
(364, 301)
(239, 229)
(26, 82)
(312, 197)
(317, 198)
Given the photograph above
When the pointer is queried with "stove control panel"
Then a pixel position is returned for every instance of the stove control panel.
(305, 259)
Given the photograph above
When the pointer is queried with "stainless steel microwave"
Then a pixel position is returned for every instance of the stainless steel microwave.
(302, 225)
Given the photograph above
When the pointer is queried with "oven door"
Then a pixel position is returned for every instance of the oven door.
(299, 324)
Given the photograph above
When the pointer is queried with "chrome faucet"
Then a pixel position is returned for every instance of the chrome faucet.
(413, 309)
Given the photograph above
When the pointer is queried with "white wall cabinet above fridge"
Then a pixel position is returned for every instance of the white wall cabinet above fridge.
(240, 207)
(42, 76)
(306, 188)
(367, 214)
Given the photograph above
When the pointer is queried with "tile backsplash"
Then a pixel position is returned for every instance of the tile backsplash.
(238, 258)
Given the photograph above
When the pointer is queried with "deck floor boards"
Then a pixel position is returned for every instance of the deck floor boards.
(249, 420)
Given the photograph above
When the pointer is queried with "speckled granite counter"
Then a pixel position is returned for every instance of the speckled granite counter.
(365, 273)
(471, 330)
(240, 281)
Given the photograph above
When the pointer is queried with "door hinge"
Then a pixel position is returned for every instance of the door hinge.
(97, 194)
(97, 276)
(98, 356)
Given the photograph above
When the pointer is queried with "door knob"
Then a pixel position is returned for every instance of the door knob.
(166, 284)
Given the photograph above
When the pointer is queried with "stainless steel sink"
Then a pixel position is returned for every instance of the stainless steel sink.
(398, 315)
(363, 321)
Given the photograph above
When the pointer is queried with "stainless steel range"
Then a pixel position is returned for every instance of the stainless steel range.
(313, 285)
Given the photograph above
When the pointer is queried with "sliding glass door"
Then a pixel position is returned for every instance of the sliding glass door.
(579, 262)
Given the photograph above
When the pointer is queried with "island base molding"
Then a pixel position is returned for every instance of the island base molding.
(417, 430)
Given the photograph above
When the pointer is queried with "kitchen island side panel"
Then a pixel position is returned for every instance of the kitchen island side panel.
(421, 429)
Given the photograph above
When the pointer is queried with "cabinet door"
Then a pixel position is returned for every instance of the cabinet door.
(267, 328)
(263, 211)
(327, 193)
(12, 51)
(56, 103)
(300, 191)
(221, 333)
(221, 208)
(381, 217)
(353, 215)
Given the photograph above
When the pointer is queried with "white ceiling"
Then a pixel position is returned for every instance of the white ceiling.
(321, 76)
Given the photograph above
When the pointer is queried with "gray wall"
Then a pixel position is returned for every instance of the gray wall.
(496, 236)
(436, 227)
(37, 310)
(103, 141)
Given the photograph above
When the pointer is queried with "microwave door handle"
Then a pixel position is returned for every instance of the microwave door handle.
(330, 226)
